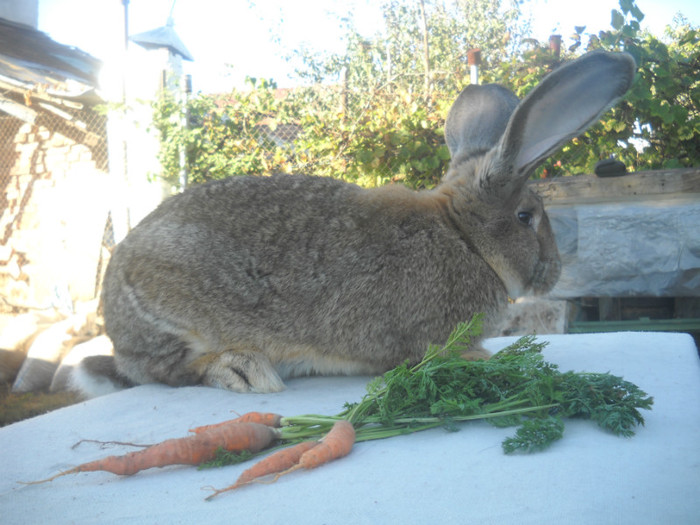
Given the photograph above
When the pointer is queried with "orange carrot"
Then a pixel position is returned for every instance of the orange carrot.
(263, 418)
(272, 464)
(190, 450)
(336, 444)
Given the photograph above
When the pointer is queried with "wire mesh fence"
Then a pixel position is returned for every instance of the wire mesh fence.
(51, 156)
(369, 136)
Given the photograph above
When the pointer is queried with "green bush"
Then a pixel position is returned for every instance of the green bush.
(376, 113)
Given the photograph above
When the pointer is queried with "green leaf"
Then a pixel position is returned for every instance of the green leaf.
(617, 19)
(535, 435)
(443, 153)
(689, 38)
(636, 12)
(364, 156)
(679, 113)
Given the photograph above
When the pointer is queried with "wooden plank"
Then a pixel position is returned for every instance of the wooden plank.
(17, 110)
(634, 186)
(19, 87)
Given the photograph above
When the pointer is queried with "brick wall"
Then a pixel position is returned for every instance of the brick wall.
(54, 204)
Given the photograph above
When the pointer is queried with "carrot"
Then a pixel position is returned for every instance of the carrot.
(334, 445)
(272, 464)
(190, 450)
(263, 418)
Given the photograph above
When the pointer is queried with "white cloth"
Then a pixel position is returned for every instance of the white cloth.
(588, 477)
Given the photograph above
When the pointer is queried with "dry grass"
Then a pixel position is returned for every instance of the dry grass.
(16, 407)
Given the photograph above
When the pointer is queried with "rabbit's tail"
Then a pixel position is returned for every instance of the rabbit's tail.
(98, 375)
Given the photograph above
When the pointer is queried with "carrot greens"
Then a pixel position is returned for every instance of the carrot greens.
(516, 387)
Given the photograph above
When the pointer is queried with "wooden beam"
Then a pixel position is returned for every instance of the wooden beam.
(635, 186)
(22, 88)
(17, 110)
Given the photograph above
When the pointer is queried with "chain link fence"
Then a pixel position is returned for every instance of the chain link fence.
(368, 139)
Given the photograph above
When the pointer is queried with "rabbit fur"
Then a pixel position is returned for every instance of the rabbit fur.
(242, 282)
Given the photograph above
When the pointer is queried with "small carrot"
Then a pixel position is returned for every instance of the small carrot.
(336, 444)
(190, 450)
(263, 418)
(272, 464)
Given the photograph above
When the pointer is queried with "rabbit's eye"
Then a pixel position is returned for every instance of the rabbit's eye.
(525, 217)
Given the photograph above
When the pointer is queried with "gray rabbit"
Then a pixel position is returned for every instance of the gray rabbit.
(242, 282)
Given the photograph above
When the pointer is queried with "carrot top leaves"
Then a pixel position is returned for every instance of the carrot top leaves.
(223, 457)
(516, 387)
(535, 435)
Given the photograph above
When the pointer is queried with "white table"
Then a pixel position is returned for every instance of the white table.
(588, 477)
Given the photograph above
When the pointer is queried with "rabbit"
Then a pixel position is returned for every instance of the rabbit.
(244, 282)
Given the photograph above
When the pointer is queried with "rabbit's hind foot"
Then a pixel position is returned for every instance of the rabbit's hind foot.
(239, 371)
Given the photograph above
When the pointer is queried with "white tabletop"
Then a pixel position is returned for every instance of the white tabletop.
(589, 476)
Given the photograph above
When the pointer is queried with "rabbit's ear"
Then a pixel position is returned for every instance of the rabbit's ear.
(477, 119)
(561, 107)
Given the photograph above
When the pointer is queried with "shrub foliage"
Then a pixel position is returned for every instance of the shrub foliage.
(376, 113)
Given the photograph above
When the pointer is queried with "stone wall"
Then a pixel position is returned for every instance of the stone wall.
(54, 205)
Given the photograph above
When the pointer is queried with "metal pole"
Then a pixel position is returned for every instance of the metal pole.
(125, 148)
(186, 91)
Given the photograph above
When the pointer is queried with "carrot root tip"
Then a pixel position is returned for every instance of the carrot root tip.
(47, 480)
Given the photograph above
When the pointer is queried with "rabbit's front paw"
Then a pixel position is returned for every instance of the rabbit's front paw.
(246, 371)
(476, 353)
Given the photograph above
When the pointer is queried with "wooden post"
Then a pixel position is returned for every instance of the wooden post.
(474, 61)
(344, 93)
(555, 45)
